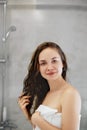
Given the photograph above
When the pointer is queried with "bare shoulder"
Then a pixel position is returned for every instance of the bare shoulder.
(71, 92)
(71, 98)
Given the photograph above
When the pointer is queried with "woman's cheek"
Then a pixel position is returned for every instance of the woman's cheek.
(42, 71)
(60, 70)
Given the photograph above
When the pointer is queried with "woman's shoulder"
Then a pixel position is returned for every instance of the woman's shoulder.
(71, 99)
(71, 90)
(71, 93)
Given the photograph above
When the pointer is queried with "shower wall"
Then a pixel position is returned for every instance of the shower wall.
(61, 23)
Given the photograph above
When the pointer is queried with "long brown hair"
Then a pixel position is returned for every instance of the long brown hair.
(34, 84)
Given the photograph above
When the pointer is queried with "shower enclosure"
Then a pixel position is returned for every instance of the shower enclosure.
(4, 35)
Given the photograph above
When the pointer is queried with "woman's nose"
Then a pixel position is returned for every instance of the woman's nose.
(49, 67)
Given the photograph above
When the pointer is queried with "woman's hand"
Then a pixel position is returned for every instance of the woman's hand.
(23, 101)
(35, 118)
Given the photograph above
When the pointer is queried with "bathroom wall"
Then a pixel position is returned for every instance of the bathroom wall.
(63, 22)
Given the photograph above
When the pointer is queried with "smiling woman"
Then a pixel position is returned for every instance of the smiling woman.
(50, 63)
(48, 100)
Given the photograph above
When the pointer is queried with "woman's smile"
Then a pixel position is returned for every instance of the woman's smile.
(50, 73)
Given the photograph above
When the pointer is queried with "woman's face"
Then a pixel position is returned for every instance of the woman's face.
(50, 64)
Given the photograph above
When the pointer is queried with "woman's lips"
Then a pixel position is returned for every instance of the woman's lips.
(51, 73)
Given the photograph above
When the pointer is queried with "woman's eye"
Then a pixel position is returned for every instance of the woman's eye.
(43, 63)
(54, 61)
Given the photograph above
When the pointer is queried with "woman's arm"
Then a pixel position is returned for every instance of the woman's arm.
(71, 106)
(23, 101)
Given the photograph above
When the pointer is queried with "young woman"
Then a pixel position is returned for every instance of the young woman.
(48, 101)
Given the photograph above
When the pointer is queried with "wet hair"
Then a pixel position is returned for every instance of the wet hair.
(34, 84)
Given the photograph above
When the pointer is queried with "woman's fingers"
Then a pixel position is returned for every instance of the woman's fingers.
(22, 94)
(23, 101)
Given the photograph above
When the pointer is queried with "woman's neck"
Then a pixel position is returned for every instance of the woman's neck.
(57, 84)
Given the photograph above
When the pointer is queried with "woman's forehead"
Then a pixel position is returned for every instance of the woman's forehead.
(49, 53)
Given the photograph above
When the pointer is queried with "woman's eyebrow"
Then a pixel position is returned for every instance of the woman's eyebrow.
(55, 58)
(42, 60)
